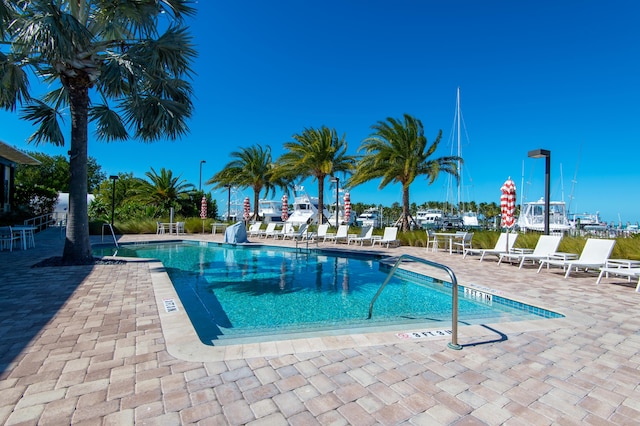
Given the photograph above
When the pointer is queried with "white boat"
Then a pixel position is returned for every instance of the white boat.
(532, 217)
(581, 220)
(370, 217)
(305, 207)
(270, 210)
(430, 218)
(470, 220)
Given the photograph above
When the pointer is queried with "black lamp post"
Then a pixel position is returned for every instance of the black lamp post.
(228, 202)
(545, 153)
(113, 196)
(200, 184)
(336, 180)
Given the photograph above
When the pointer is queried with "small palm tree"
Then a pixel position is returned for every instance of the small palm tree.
(112, 50)
(163, 191)
(251, 167)
(318, 153)
(397, 151)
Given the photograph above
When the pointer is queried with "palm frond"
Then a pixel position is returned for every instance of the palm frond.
(14, 83)
(109, 125)
(47, 119)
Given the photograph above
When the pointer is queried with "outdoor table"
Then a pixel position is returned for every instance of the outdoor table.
(26, 235)
(450, 236)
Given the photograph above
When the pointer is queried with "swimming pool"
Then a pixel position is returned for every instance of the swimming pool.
(234, 293)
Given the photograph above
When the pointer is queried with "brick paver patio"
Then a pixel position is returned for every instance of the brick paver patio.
(85, 345)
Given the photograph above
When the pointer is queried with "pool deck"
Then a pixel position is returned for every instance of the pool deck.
(94, 346)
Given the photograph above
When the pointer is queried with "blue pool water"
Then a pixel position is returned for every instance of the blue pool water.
(243, 291)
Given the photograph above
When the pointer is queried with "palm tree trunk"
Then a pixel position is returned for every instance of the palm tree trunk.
(77, 247)
(320, 200)
(256, 202)
(405, 209)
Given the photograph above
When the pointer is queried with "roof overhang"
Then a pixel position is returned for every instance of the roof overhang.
(16, 156)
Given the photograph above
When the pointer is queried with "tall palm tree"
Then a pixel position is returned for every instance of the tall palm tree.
(318, 153)
(163, 191)
(251, 167)
(108, 63)
(398, 152)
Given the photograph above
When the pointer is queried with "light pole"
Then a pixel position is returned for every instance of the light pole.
(228, 202)
(200, 184)
(336, 180)
(544, 153)
(113, 196)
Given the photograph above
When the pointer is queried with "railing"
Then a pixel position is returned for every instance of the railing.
(41, 222)
(454, 293)
(108, 225)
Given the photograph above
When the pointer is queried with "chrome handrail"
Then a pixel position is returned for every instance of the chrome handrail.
(454, 293)
(113, 234)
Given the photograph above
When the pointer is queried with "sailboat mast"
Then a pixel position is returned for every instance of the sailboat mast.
(459, 152)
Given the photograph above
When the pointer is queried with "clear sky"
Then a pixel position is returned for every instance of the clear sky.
(557, 75)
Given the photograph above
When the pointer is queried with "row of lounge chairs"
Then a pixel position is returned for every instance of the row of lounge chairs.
(341, 235)
(594, 256)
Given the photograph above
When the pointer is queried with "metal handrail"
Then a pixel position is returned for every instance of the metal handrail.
(454, 293)
(113, 234)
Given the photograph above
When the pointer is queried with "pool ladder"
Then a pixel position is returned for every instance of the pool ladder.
(113, 234)
(454, 293)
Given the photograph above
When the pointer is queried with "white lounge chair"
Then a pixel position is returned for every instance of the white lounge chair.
(389, 237)
(287, 229)
(320, 233)
(546, 246)
(503, 245)
(341, 235)
(296, 235)
(594, 255)
(270, 231)
(254, 229)
(366, 234)
(621, 271)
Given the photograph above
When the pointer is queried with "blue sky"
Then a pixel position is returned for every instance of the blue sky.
(557, 75)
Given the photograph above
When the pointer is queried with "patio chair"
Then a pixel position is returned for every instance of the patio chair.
(341, 234)
(366, 234)
(271, 229)
(389, 237)
(179, 228)
(594, 255)
(464, 243)
(160, 228)
(546, 246)
(503, 245)
(621, 271)
(254, 229)
(7, 237)
(432, 240)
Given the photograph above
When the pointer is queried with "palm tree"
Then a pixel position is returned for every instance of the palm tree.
(107, 63)
(251, 167)
(397, 151)
(318, 153)
(163, 191)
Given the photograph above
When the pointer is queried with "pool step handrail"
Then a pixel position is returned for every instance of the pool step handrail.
(112, 233)
(454, 293)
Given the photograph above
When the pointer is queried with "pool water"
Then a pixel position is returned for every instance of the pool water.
(232, 292)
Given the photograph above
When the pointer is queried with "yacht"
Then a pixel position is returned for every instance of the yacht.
(430, 218)
(305, 208)
(270, 210)
(370, 217)
(532, 217)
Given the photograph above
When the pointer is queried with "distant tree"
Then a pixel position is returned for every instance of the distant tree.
(397, 152)
(318, 153)
(139, 79)
(53, 172)
(251, 167)
(163, 191)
